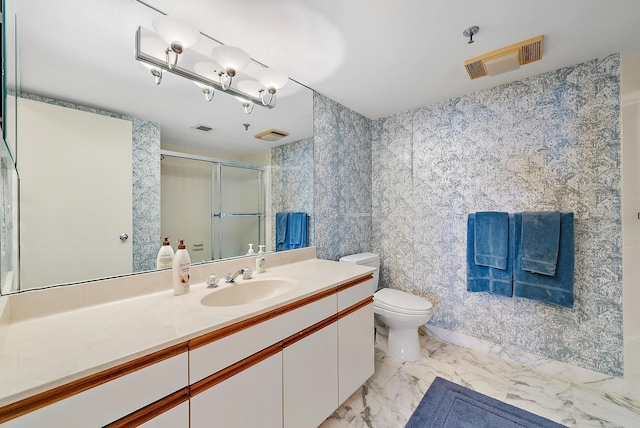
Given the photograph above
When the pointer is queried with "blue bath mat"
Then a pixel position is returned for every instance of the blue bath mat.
(448, 405)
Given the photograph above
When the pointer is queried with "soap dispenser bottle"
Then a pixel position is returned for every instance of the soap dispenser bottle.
(165, 255)
(250, 252)
(181, 270)
(260, 260)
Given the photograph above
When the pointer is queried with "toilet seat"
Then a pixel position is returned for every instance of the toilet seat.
(401, 302)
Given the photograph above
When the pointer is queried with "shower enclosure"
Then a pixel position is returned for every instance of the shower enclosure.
(216, 206)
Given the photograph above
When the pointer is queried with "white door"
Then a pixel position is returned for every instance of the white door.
(75, 194)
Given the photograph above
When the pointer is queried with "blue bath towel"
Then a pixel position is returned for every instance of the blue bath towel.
(491, 239)
(281, 231)
(483, 278)
(557, 289)
(540, 241)
(297, 230)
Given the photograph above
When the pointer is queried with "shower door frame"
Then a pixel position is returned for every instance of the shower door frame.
(217, 163)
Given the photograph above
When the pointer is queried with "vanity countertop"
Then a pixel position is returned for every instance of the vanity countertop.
(43, 352)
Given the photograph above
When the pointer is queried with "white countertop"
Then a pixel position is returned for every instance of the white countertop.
(42, 352)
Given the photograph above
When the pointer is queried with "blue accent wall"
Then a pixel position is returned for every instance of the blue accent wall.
(342, 179)
(549, 142)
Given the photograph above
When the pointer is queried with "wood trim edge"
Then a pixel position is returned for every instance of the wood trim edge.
(309, 331)
(234, 369)
(37, 401)
(152, 410)
(361, 304)
(354, 282)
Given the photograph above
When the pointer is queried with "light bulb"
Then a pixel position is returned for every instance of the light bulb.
(231, 58)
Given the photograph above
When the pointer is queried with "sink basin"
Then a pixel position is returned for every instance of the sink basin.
(247, 292)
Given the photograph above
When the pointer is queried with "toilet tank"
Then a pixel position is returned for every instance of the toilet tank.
(366, 259)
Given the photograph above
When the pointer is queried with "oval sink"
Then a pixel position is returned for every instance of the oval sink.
(248, 292)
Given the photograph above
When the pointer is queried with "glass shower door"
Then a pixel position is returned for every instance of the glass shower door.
(239, 217)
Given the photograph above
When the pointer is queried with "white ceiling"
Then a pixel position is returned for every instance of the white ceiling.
(382, 57)
(377, 58)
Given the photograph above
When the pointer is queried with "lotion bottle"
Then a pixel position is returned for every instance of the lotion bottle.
(165, 255)
(260, 260)
(181, 270)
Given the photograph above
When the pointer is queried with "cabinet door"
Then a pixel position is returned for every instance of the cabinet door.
(251, 398)
(355, 350)
(310, 373)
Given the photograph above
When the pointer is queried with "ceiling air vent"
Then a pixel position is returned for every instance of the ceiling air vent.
(203, 128)
(272, 135)
(506, 59)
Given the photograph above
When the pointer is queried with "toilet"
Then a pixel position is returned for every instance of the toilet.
(401, 313)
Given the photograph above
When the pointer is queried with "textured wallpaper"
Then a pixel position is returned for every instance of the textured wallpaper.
(292, 182)
(342, 179)
(7, 197)
(549, 142)
(146, 183)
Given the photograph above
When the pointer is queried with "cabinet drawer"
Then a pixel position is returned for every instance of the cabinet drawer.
(114, 399)
(353, 292)
(215, 356)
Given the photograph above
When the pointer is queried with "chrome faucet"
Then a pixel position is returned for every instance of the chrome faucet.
(231, 278)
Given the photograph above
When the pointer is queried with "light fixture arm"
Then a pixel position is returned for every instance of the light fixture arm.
(272, 94)
(208, 93)
(157, 73)
(248, 107)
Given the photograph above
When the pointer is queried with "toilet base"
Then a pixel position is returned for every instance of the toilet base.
(404, 344)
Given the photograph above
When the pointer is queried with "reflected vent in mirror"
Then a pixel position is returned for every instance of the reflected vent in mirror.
(271, 135)
(203, 128)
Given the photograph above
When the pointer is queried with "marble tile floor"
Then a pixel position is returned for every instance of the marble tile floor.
(389, 397)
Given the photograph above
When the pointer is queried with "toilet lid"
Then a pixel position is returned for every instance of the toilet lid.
(401, 301)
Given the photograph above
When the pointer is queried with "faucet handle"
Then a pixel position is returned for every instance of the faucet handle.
(246, 273)
(212, 281)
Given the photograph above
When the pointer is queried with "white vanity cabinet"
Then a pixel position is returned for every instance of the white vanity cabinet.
(356, 341)
(108, 396)
(310, 376)
(290, 367)
(246, 395)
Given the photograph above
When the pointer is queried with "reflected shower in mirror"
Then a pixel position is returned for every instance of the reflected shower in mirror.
(88, 126)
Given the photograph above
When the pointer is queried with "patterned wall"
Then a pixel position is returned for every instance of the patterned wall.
(146, 183)
(7, 196)
(342, 179)
(292, 182)
(550, 142)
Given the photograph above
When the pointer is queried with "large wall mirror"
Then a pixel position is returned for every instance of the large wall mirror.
(108, 161)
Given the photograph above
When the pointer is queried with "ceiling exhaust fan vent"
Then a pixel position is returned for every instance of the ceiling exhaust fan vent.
(202, 128)
(476, 69)
(271, 135)
(506, 59)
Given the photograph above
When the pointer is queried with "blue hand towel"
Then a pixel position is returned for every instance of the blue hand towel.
(488, 279)
(557, 289)
(281, 231)
(297, 230)
(491, 239)
(540, 241)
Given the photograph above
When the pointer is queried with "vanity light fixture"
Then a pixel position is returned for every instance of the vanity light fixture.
(231, 60)
(272, 80)
(156, 47)
(176, 58)
(177, 33)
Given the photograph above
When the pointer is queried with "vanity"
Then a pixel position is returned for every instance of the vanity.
(127, 352)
